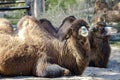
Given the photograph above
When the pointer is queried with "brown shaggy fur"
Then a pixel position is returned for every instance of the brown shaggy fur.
(5, 26)
(38, 53)
(100, 6)
(100, 47)
(102, 10)
(117, 6)
(109, 16)
(113, 16)
(61, 31)
(6, 30)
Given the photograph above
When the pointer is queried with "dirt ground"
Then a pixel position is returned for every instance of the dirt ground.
(91, 73)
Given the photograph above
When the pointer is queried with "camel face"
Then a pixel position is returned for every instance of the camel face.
(81, 28)
(101, 30)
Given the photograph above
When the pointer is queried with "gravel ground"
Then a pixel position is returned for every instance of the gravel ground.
(91, 73)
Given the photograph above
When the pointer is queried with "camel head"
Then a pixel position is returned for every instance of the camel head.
(101, 30)
(78, 29)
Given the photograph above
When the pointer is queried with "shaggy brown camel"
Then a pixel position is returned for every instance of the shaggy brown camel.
(102, 25)
(99, 44)
(35, 52)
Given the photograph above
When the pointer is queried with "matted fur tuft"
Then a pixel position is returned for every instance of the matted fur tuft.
(6, 26)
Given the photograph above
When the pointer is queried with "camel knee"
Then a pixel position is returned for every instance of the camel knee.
(54, 71)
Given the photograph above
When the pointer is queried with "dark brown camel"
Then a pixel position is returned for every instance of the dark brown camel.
(99, 44)
(35, 52)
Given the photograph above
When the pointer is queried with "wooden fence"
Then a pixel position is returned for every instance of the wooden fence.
(32, 7)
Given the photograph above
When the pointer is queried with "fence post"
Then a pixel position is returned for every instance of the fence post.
(36, 7)
(39, 7)
(30, 3)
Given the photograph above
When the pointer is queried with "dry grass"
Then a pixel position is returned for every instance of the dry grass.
(57, 14)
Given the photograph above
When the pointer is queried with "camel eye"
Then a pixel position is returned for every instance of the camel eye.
(101, 29)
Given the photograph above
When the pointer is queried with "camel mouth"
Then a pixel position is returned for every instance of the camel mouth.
(110, 30)
(83, 31)
(85, 34)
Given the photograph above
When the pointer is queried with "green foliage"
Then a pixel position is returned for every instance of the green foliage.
(50, 3)
(59, 9)
(115, 43)
(59, 3)
(14, 14)
(14, 21)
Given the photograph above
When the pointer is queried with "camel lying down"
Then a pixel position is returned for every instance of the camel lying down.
(99, 39)
(99, 43)
(35, 52)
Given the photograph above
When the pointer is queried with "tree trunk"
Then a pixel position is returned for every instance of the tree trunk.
(39, 7)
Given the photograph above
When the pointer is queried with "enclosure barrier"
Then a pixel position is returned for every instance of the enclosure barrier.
(33, 7)
(27, 8)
